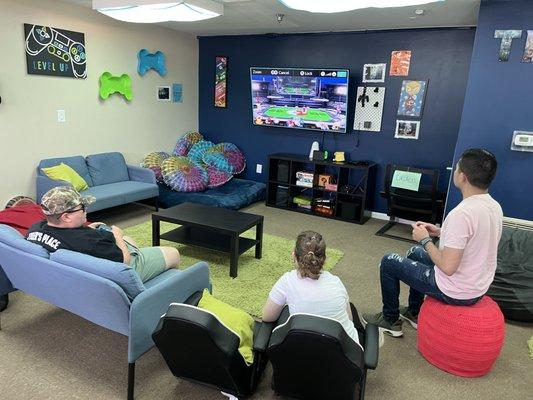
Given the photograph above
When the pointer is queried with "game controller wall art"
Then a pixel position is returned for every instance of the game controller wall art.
(147, 61)
(110, 84)
(56, 52)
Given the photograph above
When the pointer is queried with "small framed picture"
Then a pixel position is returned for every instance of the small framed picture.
(374, 72)
(407, 129)
(221, 81)
(163, 93)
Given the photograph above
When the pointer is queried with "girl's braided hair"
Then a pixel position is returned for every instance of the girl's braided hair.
(310, 253)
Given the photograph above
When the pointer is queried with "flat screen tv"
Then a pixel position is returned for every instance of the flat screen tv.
(314, 99)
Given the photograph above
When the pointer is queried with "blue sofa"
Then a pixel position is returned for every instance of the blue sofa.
(111, 181)
(106, 293)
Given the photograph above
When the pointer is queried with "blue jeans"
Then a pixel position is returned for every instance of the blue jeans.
(415, 270)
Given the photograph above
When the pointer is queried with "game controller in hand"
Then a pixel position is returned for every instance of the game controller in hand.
(151, 61)
(104, 227)
(110, 84)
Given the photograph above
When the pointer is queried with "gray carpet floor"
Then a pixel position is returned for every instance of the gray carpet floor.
(49, 353)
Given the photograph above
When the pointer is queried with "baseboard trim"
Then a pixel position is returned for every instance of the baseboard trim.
(385, 217)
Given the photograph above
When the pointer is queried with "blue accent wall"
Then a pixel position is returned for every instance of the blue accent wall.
(498, 101)
(440, 55)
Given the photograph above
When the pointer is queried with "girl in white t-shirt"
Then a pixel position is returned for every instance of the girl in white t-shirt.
(309, 289)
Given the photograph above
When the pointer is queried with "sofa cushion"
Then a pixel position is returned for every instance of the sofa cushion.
(120, 273)
(114, 194)
(63, 172)
(77, 163)
(107, 168)
(11, 237)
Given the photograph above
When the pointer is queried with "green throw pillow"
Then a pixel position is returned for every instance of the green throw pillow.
(236, 320)
(65, 173)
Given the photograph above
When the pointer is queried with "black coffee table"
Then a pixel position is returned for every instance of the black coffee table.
(210, 227)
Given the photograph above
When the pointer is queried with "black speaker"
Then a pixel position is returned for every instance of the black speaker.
(282, 196)
(283, 171)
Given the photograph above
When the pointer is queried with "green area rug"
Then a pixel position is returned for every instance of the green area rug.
(250, 289)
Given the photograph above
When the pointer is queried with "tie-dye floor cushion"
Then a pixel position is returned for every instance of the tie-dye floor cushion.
(153, 161)
(184, 143)
(225, 157)
(183, 175)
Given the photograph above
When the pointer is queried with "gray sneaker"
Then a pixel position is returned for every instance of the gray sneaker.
(394, 330)
(406, 315)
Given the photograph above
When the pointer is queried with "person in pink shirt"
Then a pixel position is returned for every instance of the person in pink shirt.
(460, 270)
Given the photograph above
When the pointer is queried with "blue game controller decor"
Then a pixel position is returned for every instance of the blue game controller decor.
(110, 84)
(149, 61)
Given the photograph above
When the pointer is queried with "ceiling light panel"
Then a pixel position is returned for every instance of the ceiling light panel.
(335, 6)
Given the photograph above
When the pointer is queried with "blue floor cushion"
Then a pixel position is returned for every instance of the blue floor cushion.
(235, 194)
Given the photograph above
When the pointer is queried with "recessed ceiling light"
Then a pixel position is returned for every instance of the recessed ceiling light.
(419, 11)
(150, 11)
(334, 6)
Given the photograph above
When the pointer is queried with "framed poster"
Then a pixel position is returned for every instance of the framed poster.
(221, 81)
(400, 62)
(163, 93)
(374, 72)
(407, 129)
(412, 98)
(55, 52)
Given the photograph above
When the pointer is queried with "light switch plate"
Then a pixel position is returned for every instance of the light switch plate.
(61, 116)
(259, 168)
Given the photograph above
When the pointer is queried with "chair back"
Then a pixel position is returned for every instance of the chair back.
(198, 347)
(420, 204)
(314, 358)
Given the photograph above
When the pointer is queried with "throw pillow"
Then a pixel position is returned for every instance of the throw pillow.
(238, 321)
(63, 172)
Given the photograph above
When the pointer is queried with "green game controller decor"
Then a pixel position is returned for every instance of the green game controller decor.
(110, 84)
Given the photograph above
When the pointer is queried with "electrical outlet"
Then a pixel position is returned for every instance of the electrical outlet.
(61, 116)
(259, 168)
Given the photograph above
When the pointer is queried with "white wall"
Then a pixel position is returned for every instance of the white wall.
(29, 130)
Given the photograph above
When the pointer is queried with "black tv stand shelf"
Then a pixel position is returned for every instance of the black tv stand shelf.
(351, 201)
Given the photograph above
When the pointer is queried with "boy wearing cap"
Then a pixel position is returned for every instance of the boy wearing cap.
(460, 270)
(64, 228)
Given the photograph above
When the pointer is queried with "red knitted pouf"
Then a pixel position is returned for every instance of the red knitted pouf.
(461, 340)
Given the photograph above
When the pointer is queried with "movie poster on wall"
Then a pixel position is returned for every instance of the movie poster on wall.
(528, 50)
(412, 98)
(400, 61)
(221, 75)
(55, 52)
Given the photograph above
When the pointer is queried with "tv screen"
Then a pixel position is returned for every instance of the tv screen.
(314, 99)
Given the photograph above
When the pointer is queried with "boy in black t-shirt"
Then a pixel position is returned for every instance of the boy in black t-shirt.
(64, 228)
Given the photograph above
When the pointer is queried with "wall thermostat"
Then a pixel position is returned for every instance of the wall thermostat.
(522, 141)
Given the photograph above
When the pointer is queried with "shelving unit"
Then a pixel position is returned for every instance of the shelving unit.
(352, 200)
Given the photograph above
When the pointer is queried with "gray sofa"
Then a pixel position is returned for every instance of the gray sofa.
(106, 293)
(111, 181)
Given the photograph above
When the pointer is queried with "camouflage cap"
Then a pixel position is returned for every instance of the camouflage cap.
(63, 198)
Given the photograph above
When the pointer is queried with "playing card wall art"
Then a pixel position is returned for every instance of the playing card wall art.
(369, 108)
(412, 98)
